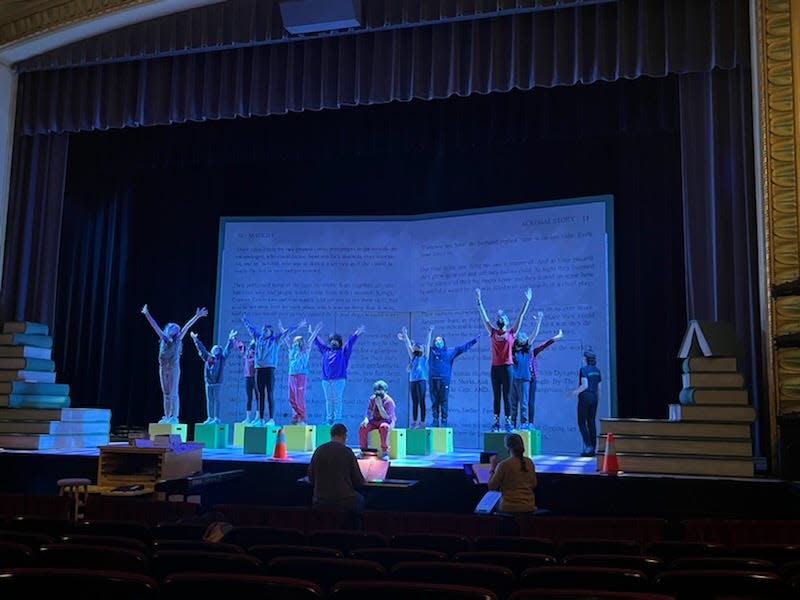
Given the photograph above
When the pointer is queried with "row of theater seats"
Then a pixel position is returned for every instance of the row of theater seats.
(502, 565)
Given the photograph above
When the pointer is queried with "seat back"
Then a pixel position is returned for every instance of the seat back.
(194, 585)
(122, 527)
(669, 550)
(500, 580)
(587, 578)
(346, 541)
(687, 584)
(266, 552)
(15, 554)
(116, 541)
(515, 543)
(92, 556)
(597, 546)
(252, 535)
(578, 594)
(738, 563)
(650, 565)
(403, 590)
(202, 545)
(31, 582)
(326, 571)
(388, 557)
(449, 543)
(516, 561)
(167, 562)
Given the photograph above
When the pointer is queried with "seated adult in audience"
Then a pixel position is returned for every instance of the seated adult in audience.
(514, 477)
(335, 475)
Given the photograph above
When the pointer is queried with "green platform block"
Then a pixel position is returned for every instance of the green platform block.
(238, 435)
(495, 441)
(300, 438)
(397, 441)
(260, 440)
(212, 435)
(442, 439)
(419, 442)
(532, 438)
(322, 435)
(155, 429)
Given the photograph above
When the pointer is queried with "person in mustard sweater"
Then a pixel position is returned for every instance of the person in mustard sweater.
(515, 478)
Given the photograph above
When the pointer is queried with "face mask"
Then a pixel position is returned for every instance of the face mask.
(439, 344)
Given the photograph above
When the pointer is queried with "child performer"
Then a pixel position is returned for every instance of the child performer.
(266, 361)
(441, 371)
(417, 375)
(380, 415)
(502, 337)
(170, 347)
(335, 359)
(588, 393)
(299, 351)
(212, 372)
(248, 352)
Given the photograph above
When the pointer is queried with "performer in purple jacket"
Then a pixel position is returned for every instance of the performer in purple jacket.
(335, 358)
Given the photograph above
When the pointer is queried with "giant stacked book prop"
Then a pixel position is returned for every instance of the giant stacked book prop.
(708, 430)
(35, 409)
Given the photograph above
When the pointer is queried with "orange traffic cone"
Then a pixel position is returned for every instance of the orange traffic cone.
(610, 464)
(280, 445)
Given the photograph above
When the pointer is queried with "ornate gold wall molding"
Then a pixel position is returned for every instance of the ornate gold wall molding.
(777, 65)
(36, 17)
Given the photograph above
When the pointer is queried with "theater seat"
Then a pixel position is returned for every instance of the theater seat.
(15, 554)
(388, 557)
(650, 565)
(326, 571)
(251, 535)
(93, 556)
(167, 562)
(449, 543)
(193, 585)
(516, 561)
(42, 582)
(586, 578)
(576, 594)
(346, 541)
(500, 580)
(537, 545)
(266, 552)
(692, 584)
(405, 590)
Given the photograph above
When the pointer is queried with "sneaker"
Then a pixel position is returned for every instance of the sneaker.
(173, 420)
(208, 421)
(508, 427)
(216, 421)
(435, 423)
(496, 426)
(164, 420)
(270, 422)
(385, 455)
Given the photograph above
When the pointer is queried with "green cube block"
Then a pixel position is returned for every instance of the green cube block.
(155, 429)
(212, 435)
(442, 439)
(396, 441)
(238, 434)
(419, 442)
(322, 434)
(300, 438)
(260, 440)
(495, 441)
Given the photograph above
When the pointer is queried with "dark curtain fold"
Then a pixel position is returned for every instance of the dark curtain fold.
(33, 229)
(603, 42)
(720, 219)
(93, 283)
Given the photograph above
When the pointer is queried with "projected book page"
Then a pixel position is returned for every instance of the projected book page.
(416, 272)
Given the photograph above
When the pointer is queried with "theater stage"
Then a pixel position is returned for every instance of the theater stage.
(568, 485)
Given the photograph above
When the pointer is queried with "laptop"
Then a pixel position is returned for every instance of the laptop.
(478, 472)
(373, 469)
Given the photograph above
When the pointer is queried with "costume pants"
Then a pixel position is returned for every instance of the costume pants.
(297, 396)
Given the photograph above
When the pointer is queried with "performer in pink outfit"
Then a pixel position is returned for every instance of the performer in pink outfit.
(299, 351)
(380, 415)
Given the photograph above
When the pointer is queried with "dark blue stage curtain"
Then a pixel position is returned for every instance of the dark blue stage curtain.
(161, 74)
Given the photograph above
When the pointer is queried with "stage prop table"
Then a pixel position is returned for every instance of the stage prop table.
(494, 441)
(301, 438)
(260, 440)
(442, 438)
(419, 442)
